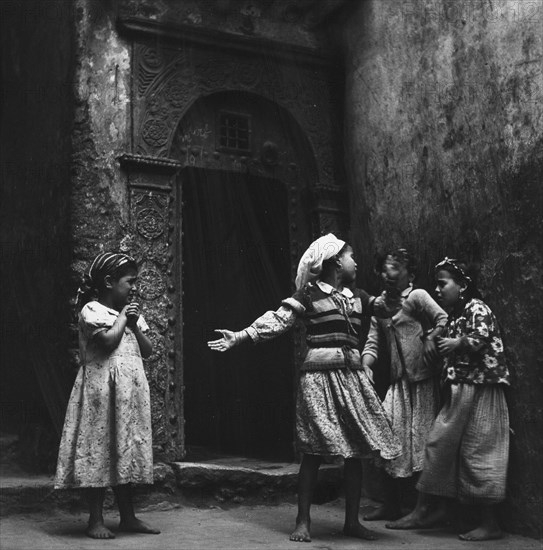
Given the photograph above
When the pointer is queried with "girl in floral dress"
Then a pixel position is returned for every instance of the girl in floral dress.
(106, 440)
(338, 412)
(468, 447)
(412, 400)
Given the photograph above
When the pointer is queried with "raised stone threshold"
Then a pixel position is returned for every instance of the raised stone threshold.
(226, 481)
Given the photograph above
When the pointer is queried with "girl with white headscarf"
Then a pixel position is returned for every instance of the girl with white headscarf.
(338, 412)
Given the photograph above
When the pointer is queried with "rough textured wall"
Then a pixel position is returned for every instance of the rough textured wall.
(444, 139)
(36, 120)
(101, 133)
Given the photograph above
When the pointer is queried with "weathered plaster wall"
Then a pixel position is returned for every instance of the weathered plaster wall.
(36, 120)
(101, 134)
(444, 140)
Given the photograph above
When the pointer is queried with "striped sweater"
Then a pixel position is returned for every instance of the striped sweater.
(333, 321)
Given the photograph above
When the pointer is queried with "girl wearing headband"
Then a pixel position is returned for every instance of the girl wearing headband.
(338, 412)
(106, 440)
(468, 447)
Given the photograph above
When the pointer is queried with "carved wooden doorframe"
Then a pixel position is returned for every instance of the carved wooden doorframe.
(167, 80)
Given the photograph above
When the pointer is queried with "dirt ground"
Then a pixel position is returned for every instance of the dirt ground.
(244, 527)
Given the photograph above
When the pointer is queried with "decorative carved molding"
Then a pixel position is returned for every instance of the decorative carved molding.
(144, 163)
(149, 223)
(168, 86)
(143, 28)
(151, 283)
(150, 242)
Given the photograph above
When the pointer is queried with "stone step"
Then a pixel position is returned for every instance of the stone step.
(202, 482)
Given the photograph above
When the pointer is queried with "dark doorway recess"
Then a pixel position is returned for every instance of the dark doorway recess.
(236, 265)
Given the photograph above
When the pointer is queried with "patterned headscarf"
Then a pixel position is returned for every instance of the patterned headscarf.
(319, 251)
(453, 267)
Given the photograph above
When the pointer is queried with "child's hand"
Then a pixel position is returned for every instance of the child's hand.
(446, 346)
(132, 312)
(368, 372)
(383, 307)
(430, 352)
(227, 341)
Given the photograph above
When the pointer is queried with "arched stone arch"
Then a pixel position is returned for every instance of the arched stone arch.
(170, 81)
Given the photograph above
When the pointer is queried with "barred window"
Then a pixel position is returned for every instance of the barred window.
(234, 132)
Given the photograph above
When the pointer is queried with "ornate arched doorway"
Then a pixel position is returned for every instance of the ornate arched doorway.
(247, 170)
(221, 114)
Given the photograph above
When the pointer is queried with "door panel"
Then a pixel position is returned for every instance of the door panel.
(236, 266)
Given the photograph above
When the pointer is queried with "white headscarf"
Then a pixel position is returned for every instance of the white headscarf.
(310, 265)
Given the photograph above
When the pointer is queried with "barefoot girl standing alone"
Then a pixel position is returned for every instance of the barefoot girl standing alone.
(338, 412)
(106, 440)
(468, 447)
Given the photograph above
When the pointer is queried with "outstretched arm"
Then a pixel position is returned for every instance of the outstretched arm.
(229, 339)
(268, 326)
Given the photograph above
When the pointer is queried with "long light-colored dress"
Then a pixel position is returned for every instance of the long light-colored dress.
(412, 400)
(106, 440)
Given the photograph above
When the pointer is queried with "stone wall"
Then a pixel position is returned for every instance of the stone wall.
(444, 154)
(101, 133)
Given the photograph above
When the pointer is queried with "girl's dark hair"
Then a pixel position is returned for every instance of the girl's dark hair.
(93, 282)
(405, 258)
(401, 255)
(462, 273)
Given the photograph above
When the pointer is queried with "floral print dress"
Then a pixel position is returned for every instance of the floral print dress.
(482, 359)
(106, 440)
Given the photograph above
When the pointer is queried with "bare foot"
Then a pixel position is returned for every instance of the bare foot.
(301, 532)
(358, 531)
(418, 520)
(99, 531)
(383, 512)
(482, 533)
(137, 526)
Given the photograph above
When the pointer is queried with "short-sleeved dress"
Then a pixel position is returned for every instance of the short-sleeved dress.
(338, 412)
(106, 440)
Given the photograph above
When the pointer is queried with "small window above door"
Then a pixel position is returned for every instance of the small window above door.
(234, 135)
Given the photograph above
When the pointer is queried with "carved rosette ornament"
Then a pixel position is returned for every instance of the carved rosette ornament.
(150, 223)
(150, 283)
(155, 132)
